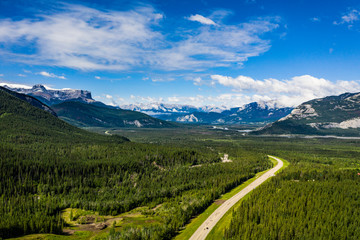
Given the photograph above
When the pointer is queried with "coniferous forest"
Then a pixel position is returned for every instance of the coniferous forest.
(316, 197)
(48, 166)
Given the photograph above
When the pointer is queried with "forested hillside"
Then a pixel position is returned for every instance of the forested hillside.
(20, 122)
(33, 101)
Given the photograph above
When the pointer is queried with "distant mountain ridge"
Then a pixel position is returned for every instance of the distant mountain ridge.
(330, 115)
(53, 96)
(252, 113)
(156, 109)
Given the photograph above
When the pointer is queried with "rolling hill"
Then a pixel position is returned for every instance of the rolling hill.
(33, 101)
(95, 115)
(20, 121)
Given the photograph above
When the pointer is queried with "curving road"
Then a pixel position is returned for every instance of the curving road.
(212, 220)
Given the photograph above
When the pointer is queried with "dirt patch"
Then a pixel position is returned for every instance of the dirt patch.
(155, 208)
(158, 166)
(196, 166)
(226, 158)
(150, 221)
(93, 227)
(112, 220)
(69, 231)
(219, 201)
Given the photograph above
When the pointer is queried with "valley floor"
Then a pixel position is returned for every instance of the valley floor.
(321, 185)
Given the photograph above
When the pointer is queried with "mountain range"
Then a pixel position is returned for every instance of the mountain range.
(338, 115)
(129, 115)
(252, 113)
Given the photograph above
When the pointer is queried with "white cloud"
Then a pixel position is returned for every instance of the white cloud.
(163, 79)
(97, 77)
(350, 17)
(220, 46)
(1, 75)
(21, 75)
(15, 85)
(290, 92)
(89, 39)
(51, 75)
(201, 19)
(315, 19)
(86, 38)
(109, 99)
(198, 81)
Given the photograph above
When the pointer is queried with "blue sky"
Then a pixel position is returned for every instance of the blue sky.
(202, 52)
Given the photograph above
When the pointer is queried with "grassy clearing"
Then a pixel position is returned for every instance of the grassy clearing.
(218, 231)
(196, 222)
(80, 224)
(80, 235)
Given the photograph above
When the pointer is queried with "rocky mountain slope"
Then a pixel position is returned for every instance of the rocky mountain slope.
(330, 115)
(52, 96)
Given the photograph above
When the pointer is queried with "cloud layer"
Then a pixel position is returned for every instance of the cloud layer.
(291, 92)
(243, 90)
(80, 37)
